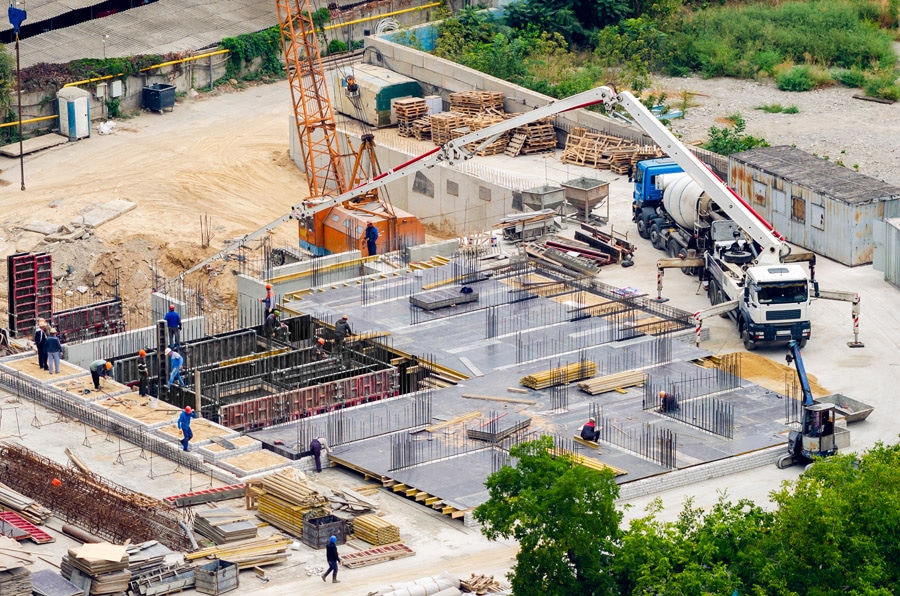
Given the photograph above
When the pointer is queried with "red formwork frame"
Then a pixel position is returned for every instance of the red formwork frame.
(30, 285)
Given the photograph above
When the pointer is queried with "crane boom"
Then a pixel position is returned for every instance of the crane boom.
(461, 149)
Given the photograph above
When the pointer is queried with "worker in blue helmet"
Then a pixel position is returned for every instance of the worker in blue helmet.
(333, 560)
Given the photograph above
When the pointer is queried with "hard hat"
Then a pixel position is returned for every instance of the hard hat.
(333, 539)
(277, 313)
(662, 393)
(53, 330)
(108, 365)
(142, 353)
(171, 307)
(268, 286)
(591, 420)
(321, 341)
(345, 317)
(168, 351)
(188, 409)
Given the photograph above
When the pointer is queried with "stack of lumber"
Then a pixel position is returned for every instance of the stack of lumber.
(560, 375)
(612, 382)
(283, 500)
(472, 103)
(408, 111)
(421, 128)
(539, 136)
(223, 525)
(256, 552)
(480, 584)
(100, 568)
(598, 150)
(375, 530)
(27, 508)
(442, 124)
(15, 580)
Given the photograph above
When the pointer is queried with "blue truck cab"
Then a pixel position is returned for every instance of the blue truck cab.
(646, 193)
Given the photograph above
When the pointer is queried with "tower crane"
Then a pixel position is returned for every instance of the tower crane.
(335, 229)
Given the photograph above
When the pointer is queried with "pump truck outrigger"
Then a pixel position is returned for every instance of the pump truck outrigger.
(775, 293)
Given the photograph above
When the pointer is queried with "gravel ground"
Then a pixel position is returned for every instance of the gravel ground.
(830, 122)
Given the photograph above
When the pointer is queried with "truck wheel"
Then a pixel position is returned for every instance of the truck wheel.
(749, 344)
(642, 230)
(674, 248)
(785, 461)
(802, 343)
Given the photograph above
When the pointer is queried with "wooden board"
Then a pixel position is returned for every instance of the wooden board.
(203, 430)
(141, 408)
(255, 460)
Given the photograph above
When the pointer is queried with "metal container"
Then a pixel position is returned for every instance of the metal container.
(318, 530)
(886, 257)
(544, 197)
(158, 97)
(585, 193)
(815, 203)
(370, 100)
(216, 577)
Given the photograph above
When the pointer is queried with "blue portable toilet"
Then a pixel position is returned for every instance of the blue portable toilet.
(74, 113)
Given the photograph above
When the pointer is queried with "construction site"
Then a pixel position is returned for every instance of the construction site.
(502, 299)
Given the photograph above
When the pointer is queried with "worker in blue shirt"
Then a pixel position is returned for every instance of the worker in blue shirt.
(173, 324)
(184, 425)
(175, 361)
(371, 238)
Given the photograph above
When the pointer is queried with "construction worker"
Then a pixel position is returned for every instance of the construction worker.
(589, 431)
(143, 374)
(371, 236)
(99, 368)
(273, 328)
(184, 425)
(53, 348)
(269, 301)
(668, 402)
(320, 353)
(315, 447)
(175, 362)
(173, 325)
(40, 341)
(331, 554)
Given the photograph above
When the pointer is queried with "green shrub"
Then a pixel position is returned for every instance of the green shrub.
(728, 140)
(791, 110)
(772, 108)
(336, 46)
(884, 87)
(798, 78)
(852, 77)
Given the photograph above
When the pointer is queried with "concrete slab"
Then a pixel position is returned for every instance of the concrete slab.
(107, 212)
(33, 145)
(42, 227)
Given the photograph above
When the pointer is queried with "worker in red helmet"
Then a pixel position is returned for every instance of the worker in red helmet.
(269, 301)
(173, 325)
(320, 353)
(184, 425)
(143, 374)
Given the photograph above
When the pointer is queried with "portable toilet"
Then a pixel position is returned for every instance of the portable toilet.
(74, 113)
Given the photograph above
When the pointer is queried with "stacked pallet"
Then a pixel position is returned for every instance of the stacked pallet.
(283, 500)
(223, 525)
(408, 111)
(375, 530)
(479, 122)
(613, 382)
(27, 508)
(256, 552)
(480, 584)
(539, 136)
(421, 128)
(594, 149)
(472, 103)
(442, 124)
(560, 375)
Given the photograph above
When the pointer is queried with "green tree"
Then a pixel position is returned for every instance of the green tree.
(731, 139)
(562, 514)
(7, 79)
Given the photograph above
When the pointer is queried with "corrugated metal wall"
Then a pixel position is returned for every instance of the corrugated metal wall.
(832, 228)
(892, 251)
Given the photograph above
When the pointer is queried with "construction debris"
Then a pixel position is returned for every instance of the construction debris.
(616, 246)
(560, 375)
(536, 136)
(480, 584)
(604, 151)
(210, 495)
(223, 525)
(375, 530)
(15, 582)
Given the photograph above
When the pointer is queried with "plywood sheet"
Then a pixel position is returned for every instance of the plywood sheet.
(143, 409)
(30, 368)
(256, 460)
(203, 430)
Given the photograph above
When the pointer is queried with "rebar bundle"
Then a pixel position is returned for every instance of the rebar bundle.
(92, 502)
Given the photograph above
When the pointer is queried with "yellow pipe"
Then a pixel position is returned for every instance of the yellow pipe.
(39, 119)
(381, 16)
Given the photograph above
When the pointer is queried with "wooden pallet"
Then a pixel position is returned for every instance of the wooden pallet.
(539, 136)
(421, 128)
(514, 147)
(373, 556)
(442, 124)
(475, 102)
(410, 109)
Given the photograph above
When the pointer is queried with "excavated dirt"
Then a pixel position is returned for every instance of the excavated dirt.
(773, 375)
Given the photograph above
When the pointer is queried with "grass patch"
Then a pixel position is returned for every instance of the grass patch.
(777, 108)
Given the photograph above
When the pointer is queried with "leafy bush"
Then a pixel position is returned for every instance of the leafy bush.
(728, 140)
(336, 46)
(797, 78)
(884, 86)
(791, 110)
(852, 77)
(777, 108)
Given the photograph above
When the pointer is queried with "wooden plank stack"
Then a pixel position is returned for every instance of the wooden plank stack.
(442, 124)
(283, 500)
(595, 149)
(256, 552)
(560, 375)
(479, 122)
(223, 525)
(27, 508)
(15, 579)
(99, 568)
(472, 103)
(612, 382)
(408, 111)
(421, 128)
(375, 530)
